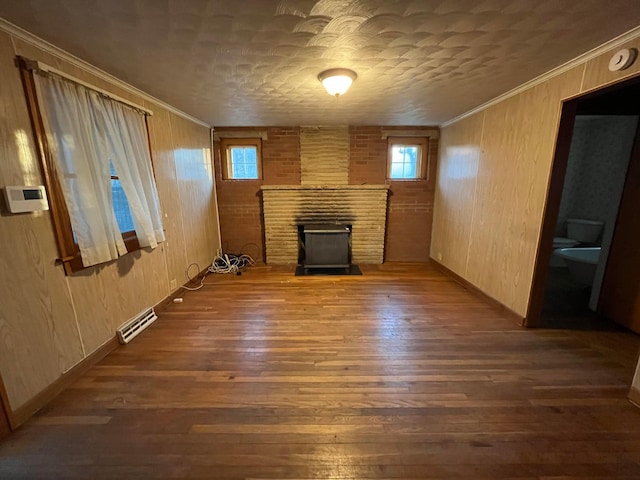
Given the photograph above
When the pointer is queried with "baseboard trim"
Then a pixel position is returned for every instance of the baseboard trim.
(634, 396)
(26, 411)
(163, 304)
(20, 415)
(476, 291)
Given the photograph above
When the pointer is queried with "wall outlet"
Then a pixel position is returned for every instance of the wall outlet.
(173, 284)
(439, 255)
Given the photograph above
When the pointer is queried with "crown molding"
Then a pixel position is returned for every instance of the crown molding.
(585, 57)
(28, 37)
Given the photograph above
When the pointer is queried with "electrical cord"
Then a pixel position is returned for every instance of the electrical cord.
(230, 263)
(255, 250)
(190, 280)
(222, 263)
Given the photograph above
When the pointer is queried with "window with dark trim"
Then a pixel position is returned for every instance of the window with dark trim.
(241, 158)
(408, 158)
(69, 251)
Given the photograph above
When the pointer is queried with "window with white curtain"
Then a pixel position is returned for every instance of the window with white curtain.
(98, 170)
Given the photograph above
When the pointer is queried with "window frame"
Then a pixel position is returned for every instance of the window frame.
(68, 249)
(225, 158)
(422, 165)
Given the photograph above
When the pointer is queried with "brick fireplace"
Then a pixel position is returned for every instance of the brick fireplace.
(342, 168)
(285, 207)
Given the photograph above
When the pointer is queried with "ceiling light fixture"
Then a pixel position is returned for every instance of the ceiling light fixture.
(337, 80)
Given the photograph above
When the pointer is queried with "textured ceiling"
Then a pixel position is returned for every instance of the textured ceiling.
(255, 62)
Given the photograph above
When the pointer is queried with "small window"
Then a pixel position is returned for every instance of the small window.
(407, 158)
(241, 158)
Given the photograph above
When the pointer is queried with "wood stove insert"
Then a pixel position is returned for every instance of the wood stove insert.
(326, 246)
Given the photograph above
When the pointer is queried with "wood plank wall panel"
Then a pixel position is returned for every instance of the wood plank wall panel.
(120, 296)
(597, 72)
(31, 51)
(194, 168)
(27, 50)
(517, 149)
(324, 155)
(166, 181)
(460, 145)
(364, 209)
(38, 334)
(513, 175)
(105, 296)
(46, 318)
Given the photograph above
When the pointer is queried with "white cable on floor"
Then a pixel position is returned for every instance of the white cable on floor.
(189, 279)
(222, 263)
(226, 263)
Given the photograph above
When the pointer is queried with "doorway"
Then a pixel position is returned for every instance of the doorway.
(583, 121)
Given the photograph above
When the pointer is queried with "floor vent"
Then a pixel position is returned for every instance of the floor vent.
(130, 329)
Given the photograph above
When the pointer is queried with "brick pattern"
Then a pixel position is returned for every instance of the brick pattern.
(281, 156)
(410, 215)
(324, 155)
(368, 156)
(410, 203)
(363, 208)
(239, 201)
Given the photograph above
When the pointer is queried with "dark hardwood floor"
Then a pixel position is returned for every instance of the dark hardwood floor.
(396, 374)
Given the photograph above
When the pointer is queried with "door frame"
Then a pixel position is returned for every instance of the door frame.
(5, 423)
(626, 211)
(569, 110)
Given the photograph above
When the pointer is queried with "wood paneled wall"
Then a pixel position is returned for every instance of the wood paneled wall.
(50, 322)
(455, 191)
(493, 176)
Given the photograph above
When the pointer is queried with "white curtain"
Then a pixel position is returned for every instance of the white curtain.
(128, 146)
(86, 132)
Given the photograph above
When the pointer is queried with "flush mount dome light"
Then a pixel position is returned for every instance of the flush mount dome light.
(337, 80)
